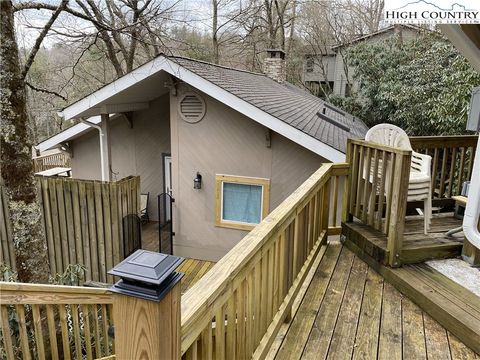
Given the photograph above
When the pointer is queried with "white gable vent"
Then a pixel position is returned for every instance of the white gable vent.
(191, 107)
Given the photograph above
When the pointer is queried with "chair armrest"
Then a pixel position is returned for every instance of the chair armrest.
(421, 163)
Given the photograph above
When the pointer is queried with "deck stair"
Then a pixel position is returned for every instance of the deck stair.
(417, 247)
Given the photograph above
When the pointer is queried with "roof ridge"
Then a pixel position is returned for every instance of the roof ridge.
(173, 57)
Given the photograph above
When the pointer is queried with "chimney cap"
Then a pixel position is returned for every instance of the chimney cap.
(276, 53)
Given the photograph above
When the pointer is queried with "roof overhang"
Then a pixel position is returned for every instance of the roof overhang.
(466, 38)
(68, 134)
(141, 86)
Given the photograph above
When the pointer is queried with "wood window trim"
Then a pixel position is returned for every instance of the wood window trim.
(220, 179)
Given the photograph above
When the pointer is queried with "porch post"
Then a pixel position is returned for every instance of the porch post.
(105, 149)
(146, 329)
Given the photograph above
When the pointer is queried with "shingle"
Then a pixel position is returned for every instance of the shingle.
(286, 102)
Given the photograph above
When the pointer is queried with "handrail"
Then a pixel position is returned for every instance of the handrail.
(255, 283)
(452, 163)
(53, 321)
(378, 189)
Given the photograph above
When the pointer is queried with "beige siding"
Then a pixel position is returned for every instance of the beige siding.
(85, 156)
(134, 151)
(225, 142)
(152, 139)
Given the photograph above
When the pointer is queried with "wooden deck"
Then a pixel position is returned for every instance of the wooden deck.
(192, 268)
(417, 247)
(150, 236)
(349, 311)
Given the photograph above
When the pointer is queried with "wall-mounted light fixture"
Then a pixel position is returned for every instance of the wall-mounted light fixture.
(197, 182)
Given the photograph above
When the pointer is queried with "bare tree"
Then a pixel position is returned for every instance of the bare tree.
(15, 142)
(123, 27)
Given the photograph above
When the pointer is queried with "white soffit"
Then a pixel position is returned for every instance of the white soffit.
(67, 134)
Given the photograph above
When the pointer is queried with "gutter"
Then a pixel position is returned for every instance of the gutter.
(101, 134)
(472, 211)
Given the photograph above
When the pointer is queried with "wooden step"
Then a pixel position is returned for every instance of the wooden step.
(450, 304)
(417, 247)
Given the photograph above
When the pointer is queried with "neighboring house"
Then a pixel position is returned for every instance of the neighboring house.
(253, 140)
(329, 69)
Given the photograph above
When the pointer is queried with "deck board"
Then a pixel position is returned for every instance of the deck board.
(192, 268)
(417, 247)
(349, 310)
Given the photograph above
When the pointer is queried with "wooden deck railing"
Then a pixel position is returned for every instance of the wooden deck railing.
(452, 162)
(55, 322)
(377, 190)
(51, 161)
(237, 308)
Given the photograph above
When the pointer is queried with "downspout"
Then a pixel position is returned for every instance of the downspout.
(472, 211)
(101, 134)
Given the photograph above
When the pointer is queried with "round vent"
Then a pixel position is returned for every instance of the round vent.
(191, 107)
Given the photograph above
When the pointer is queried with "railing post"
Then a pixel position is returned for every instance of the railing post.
(146, 329)
(146, 308)
(401, 175)
(346, 216)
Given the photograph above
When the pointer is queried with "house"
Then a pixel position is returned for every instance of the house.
(328, 70)
(247, 139)
(283, 294)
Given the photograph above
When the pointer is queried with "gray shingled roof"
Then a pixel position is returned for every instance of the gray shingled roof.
(286, 102)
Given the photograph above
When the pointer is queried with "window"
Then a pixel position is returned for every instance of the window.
(310, 62)
(241, 202)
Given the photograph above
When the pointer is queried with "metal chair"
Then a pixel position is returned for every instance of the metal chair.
(420, 181)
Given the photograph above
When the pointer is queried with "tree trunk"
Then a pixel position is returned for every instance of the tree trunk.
(16, 165)
(216, 51)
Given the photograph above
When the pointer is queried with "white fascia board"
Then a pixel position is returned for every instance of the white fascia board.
(66, 134)
(227, 98)
(93, 100)
(463, 43)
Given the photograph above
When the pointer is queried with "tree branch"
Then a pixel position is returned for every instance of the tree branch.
(33, 87)
(40, 37)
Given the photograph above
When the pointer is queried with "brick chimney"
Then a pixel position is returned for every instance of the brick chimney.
(274, 65)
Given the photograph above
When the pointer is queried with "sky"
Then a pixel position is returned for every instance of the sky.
(30, 22)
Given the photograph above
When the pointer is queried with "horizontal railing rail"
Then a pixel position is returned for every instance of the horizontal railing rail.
(377, 190)
(51, 161)
(236, 309)
(452, 162)
(55, 322)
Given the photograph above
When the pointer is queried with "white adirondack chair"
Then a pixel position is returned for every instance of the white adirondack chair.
(420, 182)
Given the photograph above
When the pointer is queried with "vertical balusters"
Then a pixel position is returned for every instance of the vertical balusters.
(64, 329)
(20, 312)
(366, 184)
(443, 172)
(360, 182)
(52, 334)
(381, 192)
(461, 171)
(220, 333)
(231, 329)
(7, 338)
(373, 192)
